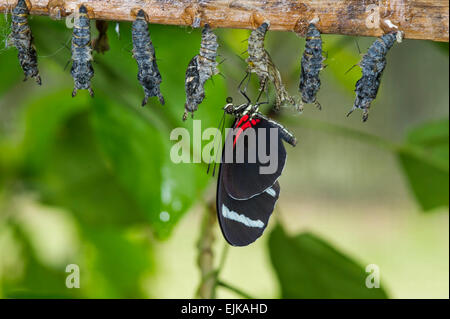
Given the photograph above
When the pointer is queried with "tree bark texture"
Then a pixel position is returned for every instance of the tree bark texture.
(418, 19)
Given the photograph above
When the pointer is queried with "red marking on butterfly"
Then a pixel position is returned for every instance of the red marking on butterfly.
(243, 124)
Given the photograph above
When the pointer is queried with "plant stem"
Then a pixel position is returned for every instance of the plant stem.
(234, 289)
(205, 258)
(222, 258)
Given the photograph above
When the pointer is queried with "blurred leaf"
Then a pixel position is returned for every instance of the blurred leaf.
(424, 157)
(44, 117)
(114, 263)
(428, 171)
(183, 184)
(342, 58)
(116, 77)
(433, 136)
(8, 59)
(308, 267)
(140, 155)
(117, 263)
(76, 177)
(11, 68)
(235, 39)
(136, 141)
(133, 149)
(38, 280)
(442, 46)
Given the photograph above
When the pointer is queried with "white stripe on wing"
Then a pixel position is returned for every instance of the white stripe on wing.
(241, 218)
(271, 192)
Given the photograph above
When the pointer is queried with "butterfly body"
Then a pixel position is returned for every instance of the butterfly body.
(253, 159)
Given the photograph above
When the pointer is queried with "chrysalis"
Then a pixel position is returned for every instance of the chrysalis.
(144, 54)
(195, 92)
(312, 63)
(260, 62)
(22, 39)
(82, 70)
(202, 67)
(372, 65)
(258, 59)
(100, 44)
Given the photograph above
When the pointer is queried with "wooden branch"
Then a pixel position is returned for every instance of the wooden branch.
(418, 19)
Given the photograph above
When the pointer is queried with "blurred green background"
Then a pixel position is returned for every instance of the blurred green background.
(84, 181)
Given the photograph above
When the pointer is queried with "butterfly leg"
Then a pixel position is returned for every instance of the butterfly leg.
(244, 91)
(259, 96)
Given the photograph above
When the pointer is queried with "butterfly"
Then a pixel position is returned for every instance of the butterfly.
(253, 159)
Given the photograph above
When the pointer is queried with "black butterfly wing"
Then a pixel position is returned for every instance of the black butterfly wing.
(247, 179)
(244, 221)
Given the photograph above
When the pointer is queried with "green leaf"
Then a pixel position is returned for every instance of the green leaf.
(43, 117)
(433, 137)
(117, 262)
(116, 75)
(442, 46)
(308, 267)
(342, 60)
(76, 177)
(139, 153)
(427, 165)
(136, 141)
(11, 71)
(114, 263)
(35, 280)
(424, 157)
(144, 181)
(133, 149)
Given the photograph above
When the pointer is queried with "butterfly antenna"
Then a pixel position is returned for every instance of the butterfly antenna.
(215, 136)
(351, 68)
(67, 64)
(263, 88)
(240, 58)
(217, 155)
(357, 46)
(244, 91)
